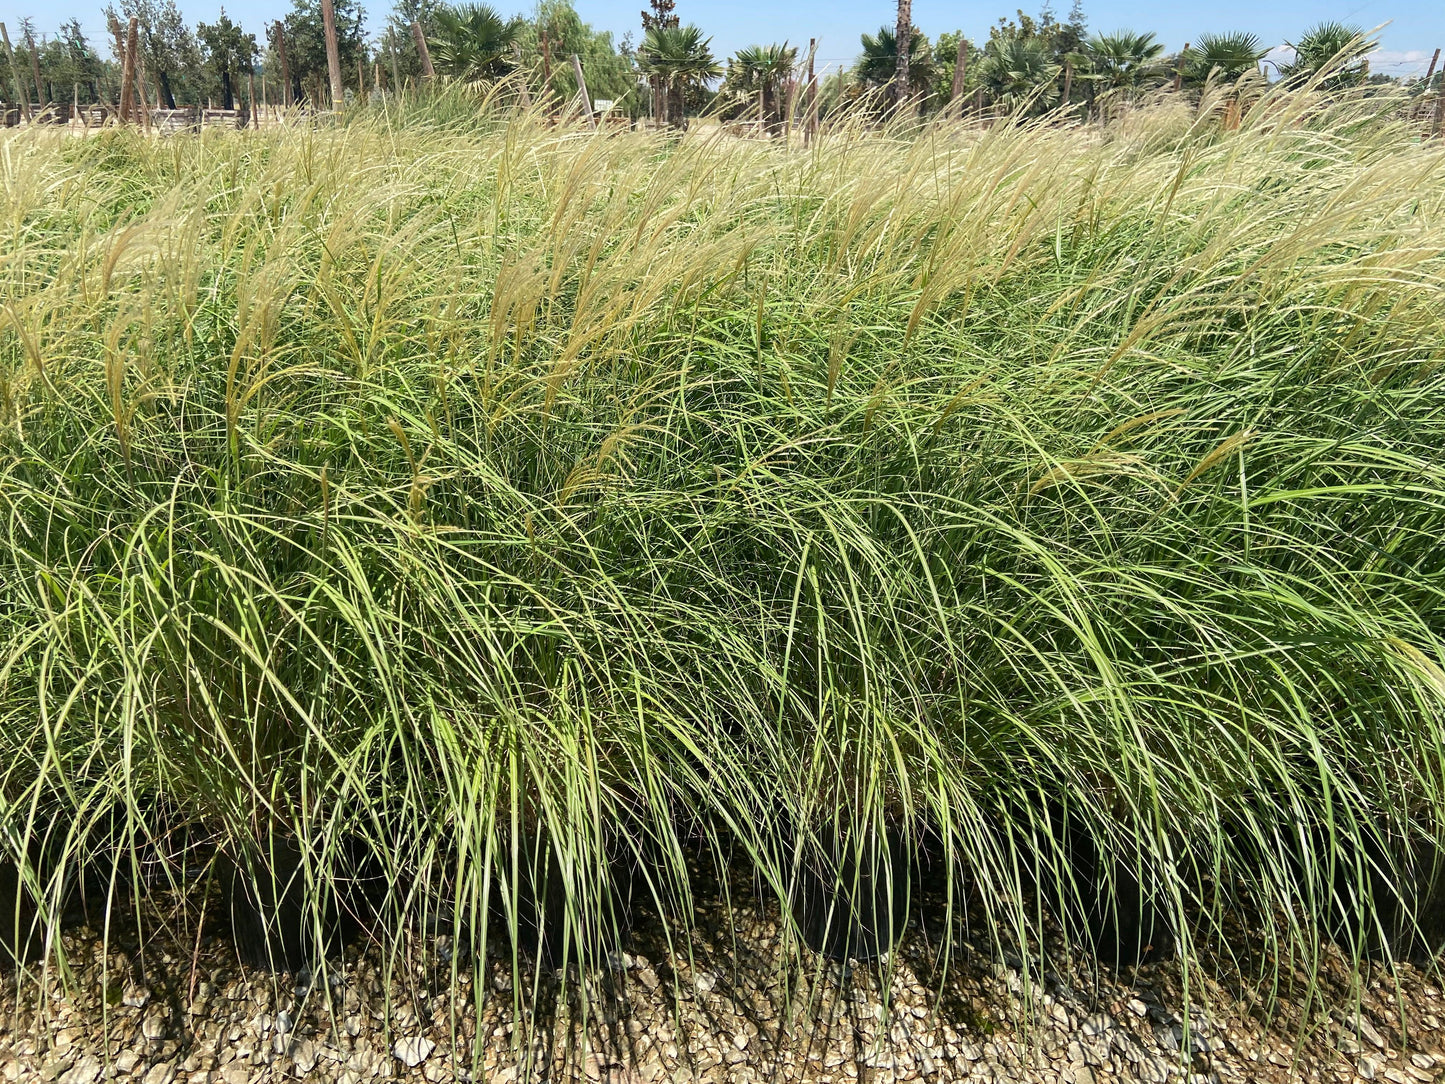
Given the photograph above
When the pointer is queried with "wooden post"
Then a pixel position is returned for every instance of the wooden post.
(582, 91)
(251, 84)
(20, 93)
(360, 79)
(127, 70)
(285, 67)
(422, 51)
(960, 67)
(810, 123)
(1431, 70)
(762, 111)
(1179, 71)
(395, 68)
(333, 55)
(1068, 81)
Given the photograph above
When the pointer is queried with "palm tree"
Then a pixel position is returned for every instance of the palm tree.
(878, 66)
(1228, 55)
(1330, 45)
(1123, 58)
(676, 59)
(1019, 71)
(472, 42)
(761, 70)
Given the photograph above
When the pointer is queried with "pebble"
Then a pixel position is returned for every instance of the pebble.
(413, 1051)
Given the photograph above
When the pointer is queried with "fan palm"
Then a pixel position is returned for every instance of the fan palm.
(1228, 55)
(676, 59)
(472, 42)
(1123, 58)
(762, 69)
(878, 66)
(1019, 72)
(1331, 45)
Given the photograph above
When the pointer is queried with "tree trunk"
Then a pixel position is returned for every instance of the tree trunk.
(904, 38)
(167, 96)
(810, 125)
(227, 99)
(24, 101)
(333, 54)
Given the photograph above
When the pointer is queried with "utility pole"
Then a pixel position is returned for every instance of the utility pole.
(24, 102)
(960, 67)
(904, 39)
(582, 91)
(333, 55)
(285, 67)
(423, 51)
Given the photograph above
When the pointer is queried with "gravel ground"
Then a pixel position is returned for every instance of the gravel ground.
(729, 1007)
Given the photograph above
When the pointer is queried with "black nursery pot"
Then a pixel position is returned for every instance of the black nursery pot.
(22, 937)
(851, 896)
(272, 915)
(540, 900)
(1098, 896)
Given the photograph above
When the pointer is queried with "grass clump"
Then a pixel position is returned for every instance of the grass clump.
(465, 504)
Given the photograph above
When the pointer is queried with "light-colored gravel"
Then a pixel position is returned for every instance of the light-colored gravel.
(727, 1008)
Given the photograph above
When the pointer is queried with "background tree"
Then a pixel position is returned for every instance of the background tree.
(1227, 56)
(1122, 59)
(878, 66)
(679, 59)
(229, 52)
(306, 45)
(396, 47)
(1331, 43)
(661, 17)
(472, 42)
(1019, 73)
(945, 57)
(761, 72)
(168, 48)
(608, 72)
(73, 61)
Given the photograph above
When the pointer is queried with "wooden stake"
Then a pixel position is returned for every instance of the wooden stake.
(20, 93)
(960, 66)
(285, 67)
(251, 84)
(333, 55)
(360, 79)
(1068, 81)
(395, 68)
(1431, 70)
(423, 52)
(582, 91)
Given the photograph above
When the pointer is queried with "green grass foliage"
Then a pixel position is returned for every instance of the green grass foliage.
(449, 484)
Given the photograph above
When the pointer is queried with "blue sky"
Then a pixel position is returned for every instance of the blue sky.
(1415, 29)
